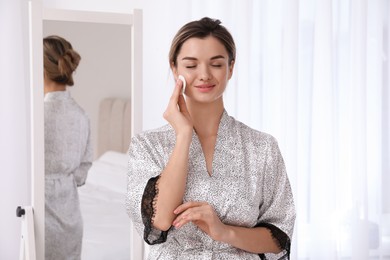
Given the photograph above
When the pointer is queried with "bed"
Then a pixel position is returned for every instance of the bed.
(107, 228)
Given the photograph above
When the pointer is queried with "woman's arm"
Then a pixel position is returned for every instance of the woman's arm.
(172, 181)
(257, 240)
(171, 185)
(81, 172)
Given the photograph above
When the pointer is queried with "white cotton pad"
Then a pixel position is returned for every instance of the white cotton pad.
(184, 83)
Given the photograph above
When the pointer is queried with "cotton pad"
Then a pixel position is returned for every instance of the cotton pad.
(184, 83)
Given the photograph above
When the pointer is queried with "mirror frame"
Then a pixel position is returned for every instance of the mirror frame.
(37, 13)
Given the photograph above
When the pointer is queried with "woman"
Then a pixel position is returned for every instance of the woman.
(68, 152)
(206, 186)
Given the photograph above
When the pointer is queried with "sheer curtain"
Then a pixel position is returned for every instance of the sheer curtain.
(315, 74)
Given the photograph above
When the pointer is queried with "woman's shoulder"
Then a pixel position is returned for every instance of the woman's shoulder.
(256, 140)
(78, 108)
(164, 133)
(252, 133)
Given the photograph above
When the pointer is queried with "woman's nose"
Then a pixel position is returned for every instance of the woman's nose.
(205, 73)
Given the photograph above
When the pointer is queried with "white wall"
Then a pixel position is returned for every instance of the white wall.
(15, 129)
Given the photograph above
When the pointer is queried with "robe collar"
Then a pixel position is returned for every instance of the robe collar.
(57, 95)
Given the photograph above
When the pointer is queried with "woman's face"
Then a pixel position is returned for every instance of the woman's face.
(204, 63)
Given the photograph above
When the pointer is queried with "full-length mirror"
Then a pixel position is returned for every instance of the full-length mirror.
(108, 86)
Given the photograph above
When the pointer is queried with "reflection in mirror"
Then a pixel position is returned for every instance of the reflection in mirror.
(68, 151)
(103, 89)
(105, 67)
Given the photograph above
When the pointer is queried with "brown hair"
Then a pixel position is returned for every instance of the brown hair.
(59, 59)
(201, 29)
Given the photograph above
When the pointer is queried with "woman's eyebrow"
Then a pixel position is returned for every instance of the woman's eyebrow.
(212, 58)
(217, 57)
(189, 58)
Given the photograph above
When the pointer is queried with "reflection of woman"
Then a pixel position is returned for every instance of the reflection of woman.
(206, 186)
(68, 152)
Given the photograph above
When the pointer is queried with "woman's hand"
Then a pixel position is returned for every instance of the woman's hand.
(255, 240)
(177, 113)
(203, 215)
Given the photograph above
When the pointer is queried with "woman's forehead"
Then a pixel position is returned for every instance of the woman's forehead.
(202, 47)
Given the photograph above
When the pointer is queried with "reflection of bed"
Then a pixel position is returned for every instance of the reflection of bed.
(102, 198)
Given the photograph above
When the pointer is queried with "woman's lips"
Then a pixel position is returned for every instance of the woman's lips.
(205, 87)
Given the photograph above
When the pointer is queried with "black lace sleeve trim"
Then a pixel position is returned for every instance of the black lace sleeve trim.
(148, 204)
(281, 238)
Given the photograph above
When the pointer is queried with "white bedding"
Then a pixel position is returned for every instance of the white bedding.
(102, 202)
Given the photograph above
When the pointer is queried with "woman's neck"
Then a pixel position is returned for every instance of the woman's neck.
(206, 117)
(51, 86)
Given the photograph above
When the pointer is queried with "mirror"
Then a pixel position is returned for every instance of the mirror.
(110, 46)
(105, 67)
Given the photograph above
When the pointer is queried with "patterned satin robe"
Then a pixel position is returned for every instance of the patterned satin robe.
(248, 187)
(68, 157)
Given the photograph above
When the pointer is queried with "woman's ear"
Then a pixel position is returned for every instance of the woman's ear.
(174, 70)
(231, 67)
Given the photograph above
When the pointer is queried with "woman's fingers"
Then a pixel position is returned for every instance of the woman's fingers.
(173, 101)
(176, 101)
(188, 205)
(177, 90)
(182, 105)
(192, 211)
(203, 216)
(177, 113)
(187, 216)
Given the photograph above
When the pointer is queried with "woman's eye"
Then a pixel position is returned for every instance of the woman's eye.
(190, 66)
(216, 65)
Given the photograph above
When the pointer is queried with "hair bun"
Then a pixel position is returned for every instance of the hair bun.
(68, 63)
(60, 59)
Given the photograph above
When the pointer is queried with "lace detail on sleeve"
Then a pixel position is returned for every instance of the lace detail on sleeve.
(148, 211)
(281, 239)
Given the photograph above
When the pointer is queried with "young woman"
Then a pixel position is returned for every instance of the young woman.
(68, 152)
(206, 186)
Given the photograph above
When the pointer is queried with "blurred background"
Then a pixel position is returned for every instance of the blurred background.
(313, 73)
